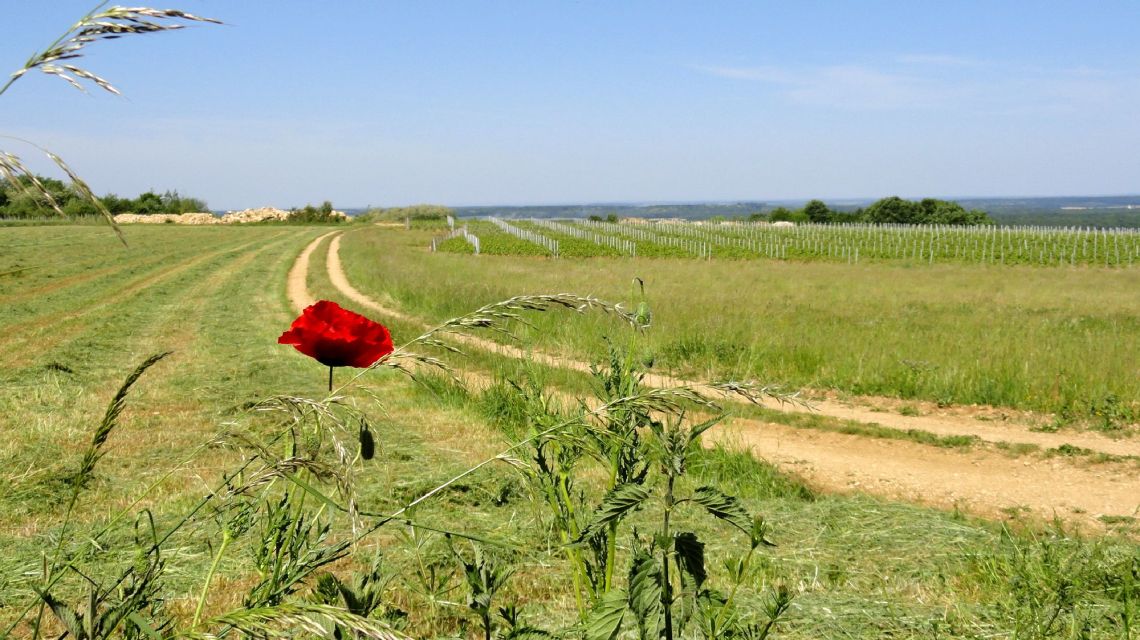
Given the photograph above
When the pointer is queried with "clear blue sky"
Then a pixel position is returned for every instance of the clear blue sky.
(471, 102)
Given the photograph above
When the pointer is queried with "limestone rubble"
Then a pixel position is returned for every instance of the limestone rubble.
(231, 217)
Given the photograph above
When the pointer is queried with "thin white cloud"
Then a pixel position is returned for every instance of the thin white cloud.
(927, 83)
(850, 86)
(939, 59)
(762, 73)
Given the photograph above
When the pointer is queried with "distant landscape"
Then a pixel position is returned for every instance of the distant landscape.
(1058, 211)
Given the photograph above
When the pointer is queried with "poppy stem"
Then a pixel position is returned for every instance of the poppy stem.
(330, 379)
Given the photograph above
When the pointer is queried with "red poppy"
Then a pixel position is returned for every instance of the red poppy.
(336, 337)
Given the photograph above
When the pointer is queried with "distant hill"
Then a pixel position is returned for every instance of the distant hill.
(1069, 211)
(697, 211)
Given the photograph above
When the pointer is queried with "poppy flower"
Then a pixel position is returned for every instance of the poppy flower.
(337, 337)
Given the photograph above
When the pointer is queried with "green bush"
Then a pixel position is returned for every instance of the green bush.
(311, 214)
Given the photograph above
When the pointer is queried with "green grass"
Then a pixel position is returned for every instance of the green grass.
(1052, 340)
(90, 311)
(868, 568)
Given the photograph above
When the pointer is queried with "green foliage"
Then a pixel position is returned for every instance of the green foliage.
(783, 214)
(324, 214)
(492, 241)
(816, 211)
(645, 459)
(420, 212)
(485, 575)
(1050, 579)
(18, 200)
(617, 504)
(895, 210)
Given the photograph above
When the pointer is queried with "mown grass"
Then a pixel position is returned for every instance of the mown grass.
(859, 566)
(1062, 340)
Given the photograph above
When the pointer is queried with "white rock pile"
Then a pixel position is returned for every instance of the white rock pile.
(254, 215)
(164, 218)
(231, 217)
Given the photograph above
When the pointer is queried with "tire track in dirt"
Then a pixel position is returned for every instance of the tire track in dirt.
(296, 288)
(983, 482)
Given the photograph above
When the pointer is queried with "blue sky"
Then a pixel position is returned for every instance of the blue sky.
(562, 102)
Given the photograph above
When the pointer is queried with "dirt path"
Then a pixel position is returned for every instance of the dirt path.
(295, 287)
(979, 481)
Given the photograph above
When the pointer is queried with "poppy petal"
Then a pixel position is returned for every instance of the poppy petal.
(337, 337)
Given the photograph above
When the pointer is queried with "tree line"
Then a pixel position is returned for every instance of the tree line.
(890, 210)
(19, 199)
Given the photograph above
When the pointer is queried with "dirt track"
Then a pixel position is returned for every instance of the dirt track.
(982, 481)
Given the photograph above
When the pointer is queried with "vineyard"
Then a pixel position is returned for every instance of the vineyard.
(849, 243)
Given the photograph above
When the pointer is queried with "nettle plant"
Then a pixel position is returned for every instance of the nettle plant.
(643, 440)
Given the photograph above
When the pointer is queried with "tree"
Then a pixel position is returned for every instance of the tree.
(817, 211)
(944, 212)
(893, 210)
(117, 205)
(928, 211)
(785, 214)
(309, 213)
(149, 202)
(35, 196)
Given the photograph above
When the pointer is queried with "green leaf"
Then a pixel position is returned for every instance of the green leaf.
(71, 620)
(313, 491)
(696, 431)
(143, 625)
(615, 506)
(723, 506)
(604, 621)
(691, 556)
(646, 591)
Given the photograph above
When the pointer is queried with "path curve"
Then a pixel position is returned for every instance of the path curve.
(295, 285)
(984, 482)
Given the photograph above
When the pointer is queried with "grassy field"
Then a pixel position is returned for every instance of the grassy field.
(81, 312)
(1062, 340)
